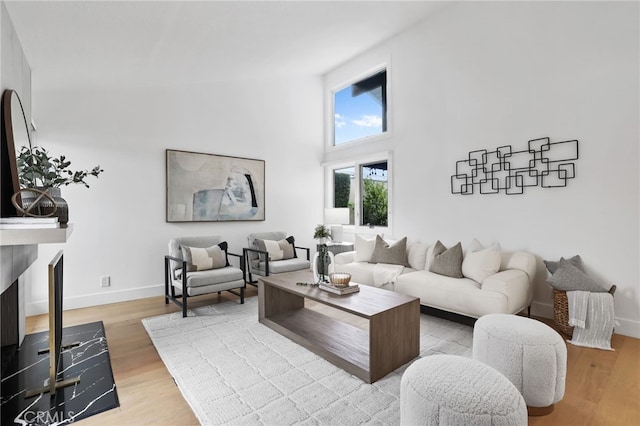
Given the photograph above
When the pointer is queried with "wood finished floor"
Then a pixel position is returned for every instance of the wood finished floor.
(602, 388)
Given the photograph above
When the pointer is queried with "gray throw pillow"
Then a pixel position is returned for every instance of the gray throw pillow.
(202, 259)
(447, 261)
(569, 278)
(575, 261)
(278, 250)
(394, 254)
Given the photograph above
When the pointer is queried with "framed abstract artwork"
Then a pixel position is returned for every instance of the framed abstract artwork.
(213, 188)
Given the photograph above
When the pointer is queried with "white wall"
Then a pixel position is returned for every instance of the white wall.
(120, 227)
(483, 75)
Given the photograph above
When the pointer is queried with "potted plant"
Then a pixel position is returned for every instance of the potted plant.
(321, 233)
(46, 174)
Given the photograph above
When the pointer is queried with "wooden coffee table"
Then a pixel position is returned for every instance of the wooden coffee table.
(394, 324)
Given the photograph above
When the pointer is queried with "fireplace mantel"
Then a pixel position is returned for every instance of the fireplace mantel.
(19, 237)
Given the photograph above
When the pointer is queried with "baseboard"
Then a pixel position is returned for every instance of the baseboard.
(96, 299)
(543, 310)
(626, 328)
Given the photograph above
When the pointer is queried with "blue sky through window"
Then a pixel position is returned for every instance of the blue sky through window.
(356, 117)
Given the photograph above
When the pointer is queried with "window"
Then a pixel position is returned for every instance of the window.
(363, 188)
(360, 110)
(375, 199)
(344, 190)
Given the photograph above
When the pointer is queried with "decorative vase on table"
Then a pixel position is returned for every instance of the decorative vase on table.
(320, 261)
(323, 264)
(43, 205)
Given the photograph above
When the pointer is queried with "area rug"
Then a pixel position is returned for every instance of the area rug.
(233, 370)
(89, 361)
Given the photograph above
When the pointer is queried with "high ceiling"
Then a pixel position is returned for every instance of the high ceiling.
(74, 44)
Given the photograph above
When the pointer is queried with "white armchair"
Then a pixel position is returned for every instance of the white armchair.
(272, 253)
(200, 265)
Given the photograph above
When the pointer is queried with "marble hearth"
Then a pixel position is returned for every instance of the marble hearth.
(89, 361)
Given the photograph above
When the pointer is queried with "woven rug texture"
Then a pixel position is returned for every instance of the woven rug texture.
(233, 370)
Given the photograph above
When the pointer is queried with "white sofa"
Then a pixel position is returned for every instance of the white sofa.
(508, 291)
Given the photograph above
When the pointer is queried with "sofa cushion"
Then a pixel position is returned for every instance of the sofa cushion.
(417, 254)
(393, 254)
(480, 264)
(202, 259)
(364, 248)
(459, 295)
(447, 262)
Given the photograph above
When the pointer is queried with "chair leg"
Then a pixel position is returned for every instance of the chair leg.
(242, 295)
(529, 311)
(166, 281)
(184, 295)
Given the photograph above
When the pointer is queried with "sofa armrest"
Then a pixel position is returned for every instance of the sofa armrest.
(514, 284)
(344, 257)
(523, 261)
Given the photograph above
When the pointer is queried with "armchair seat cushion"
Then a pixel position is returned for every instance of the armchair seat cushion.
(207, 289)
(279, 266)
(211, 276)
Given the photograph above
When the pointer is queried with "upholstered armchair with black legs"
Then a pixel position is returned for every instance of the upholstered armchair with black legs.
(200, 265)
(273, 253)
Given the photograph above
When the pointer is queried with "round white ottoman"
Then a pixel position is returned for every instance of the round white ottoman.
(532, 355)
(452, 390)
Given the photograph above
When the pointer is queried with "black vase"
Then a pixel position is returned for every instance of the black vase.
(45, 207)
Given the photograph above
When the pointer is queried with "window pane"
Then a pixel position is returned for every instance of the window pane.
(343, 192)
(374, 194)
(360, 110)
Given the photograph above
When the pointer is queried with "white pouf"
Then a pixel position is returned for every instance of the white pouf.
(532, 355)
(452, 390)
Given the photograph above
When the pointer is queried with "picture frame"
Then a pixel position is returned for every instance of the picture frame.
(203, 187)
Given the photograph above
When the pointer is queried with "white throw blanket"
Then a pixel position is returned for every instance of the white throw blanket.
(592, 316)
(384, 273)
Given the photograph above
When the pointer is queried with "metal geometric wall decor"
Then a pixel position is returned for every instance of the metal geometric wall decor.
(543, 163)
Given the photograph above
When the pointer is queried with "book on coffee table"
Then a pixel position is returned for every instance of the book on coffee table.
(353, 288)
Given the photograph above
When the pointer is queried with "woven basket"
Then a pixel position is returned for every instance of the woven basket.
(561, 310)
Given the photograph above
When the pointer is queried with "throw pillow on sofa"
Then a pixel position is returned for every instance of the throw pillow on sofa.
(364, 248)
(446, 261)
(480, 263)
(394, 254)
